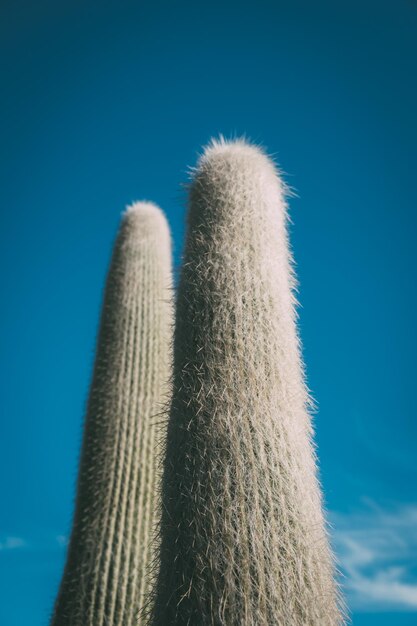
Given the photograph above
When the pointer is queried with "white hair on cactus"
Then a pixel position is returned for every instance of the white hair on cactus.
(106, 575)
(243, 536)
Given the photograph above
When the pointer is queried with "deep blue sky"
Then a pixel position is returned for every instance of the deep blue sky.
(104, 103)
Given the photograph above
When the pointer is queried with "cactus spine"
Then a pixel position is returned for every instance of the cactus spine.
(105, 580)
(243, 539)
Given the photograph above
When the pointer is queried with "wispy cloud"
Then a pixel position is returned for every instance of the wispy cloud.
(11, 543)
(36, 543)
(377, 550)
(62, 540)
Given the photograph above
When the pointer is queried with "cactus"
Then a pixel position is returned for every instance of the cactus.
(105, 578)
(243, 536)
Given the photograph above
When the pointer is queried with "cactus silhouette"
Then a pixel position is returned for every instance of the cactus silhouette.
(105, 578)
(243, 537)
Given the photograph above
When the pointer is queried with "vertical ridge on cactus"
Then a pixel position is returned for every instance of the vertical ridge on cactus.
(105, 579)
(243, 537)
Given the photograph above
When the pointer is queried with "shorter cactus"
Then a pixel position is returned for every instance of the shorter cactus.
(105, 579)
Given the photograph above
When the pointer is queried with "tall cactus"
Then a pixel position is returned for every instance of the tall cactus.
(105, 581)
(243, 539)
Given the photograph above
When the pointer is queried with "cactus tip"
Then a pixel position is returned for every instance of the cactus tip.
(233, 148)
(145, 217)
(143, 209)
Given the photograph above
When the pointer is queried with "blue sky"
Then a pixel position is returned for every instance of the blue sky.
(104, 103)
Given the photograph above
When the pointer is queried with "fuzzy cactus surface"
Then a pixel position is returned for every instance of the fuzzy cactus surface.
(106, 575)
(243, 535)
